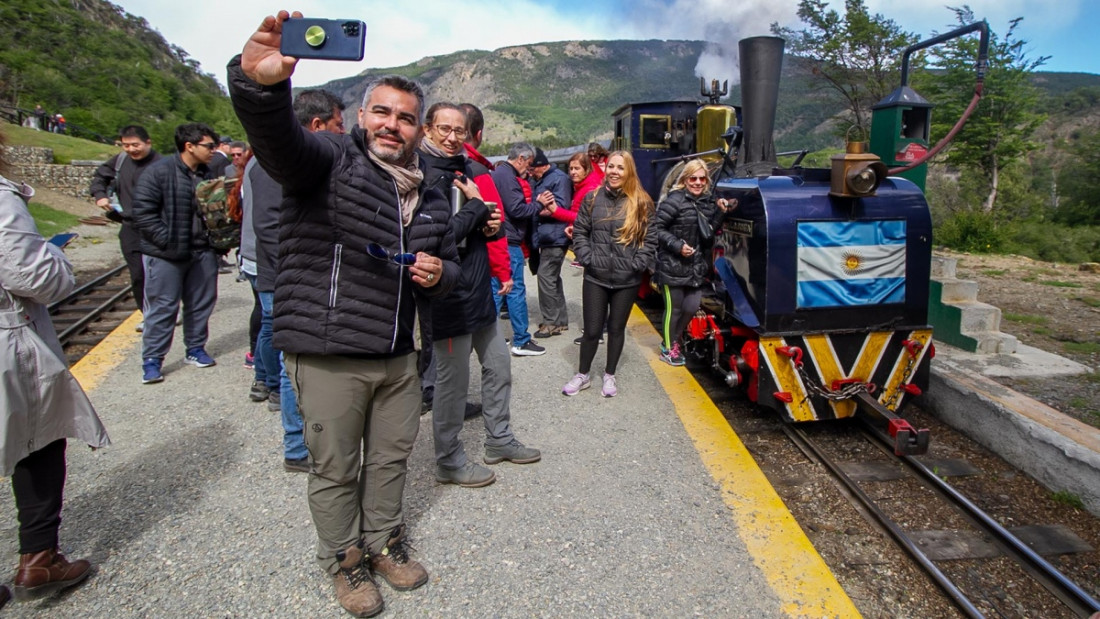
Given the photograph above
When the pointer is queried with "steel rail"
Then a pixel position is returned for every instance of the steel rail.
(958, 598)
(81, 290)
(96, 312)
(1072, 595)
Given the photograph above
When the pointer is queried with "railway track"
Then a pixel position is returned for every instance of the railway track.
(985, 540)
(92, 311)
(906, 503)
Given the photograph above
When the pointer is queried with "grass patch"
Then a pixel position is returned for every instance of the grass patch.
(51, 221)
(1029, 279)
(1065, 497)
(1041, 331)
(65, 148)
(1090, 301)
(994, 272)
(1082, 348)
(1060, 284)
(1026, 319)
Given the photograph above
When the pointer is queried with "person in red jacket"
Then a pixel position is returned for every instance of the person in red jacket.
(499, 265)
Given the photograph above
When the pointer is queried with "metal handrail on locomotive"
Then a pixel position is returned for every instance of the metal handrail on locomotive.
(819, 300)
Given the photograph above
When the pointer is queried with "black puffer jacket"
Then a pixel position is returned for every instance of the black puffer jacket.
(331, 296)
(469, 306)
(165, 212)
(677, 223)
(607, 262)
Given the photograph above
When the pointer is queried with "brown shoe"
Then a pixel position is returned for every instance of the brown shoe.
(5, 595)
(394, 564)
(355, 589)
(45, 572)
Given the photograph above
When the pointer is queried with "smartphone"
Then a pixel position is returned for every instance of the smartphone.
(63, 239)
(324, 39)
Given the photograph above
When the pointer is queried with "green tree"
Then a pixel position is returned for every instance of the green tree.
(858, 55)
(999, 132)
(1079, 201)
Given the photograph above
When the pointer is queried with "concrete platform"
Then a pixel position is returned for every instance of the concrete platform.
(643, 504)
(1059, 451)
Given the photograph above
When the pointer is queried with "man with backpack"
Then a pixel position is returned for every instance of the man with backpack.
(116, 178)
(180, 263)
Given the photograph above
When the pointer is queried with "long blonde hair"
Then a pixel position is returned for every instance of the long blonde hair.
(639, 206)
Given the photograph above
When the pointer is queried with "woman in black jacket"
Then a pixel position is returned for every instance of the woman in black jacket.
(616, 244)
(683, 220)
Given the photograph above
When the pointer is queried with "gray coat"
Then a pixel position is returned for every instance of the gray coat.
(40, 400)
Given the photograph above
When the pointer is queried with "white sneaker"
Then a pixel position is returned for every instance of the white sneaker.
(140, 327)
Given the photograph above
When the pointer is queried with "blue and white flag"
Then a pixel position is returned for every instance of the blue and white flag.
(851, 263)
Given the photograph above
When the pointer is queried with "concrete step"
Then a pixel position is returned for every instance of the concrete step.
(944, 268)
(959, 291)
(994, 342)
(978, 317)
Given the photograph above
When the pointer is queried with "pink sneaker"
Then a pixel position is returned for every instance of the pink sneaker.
(609, 390)
(576, 384)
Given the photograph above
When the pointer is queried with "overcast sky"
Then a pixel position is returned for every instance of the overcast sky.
(399, 33)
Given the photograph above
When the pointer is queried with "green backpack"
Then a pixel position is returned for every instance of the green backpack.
(223, 226)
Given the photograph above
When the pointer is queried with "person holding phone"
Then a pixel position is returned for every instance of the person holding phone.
(41, 403)
(118, 176)
(361, 239)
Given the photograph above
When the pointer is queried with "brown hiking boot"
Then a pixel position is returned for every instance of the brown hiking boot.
(393, 563)
(45, 572)
(355, 589)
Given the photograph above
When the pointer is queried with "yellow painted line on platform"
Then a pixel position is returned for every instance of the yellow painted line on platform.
(108, 354)
(797, 574)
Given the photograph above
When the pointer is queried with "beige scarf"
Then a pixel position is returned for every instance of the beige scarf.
(408, 181)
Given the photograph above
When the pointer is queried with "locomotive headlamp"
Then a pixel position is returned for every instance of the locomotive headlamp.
(855, 173)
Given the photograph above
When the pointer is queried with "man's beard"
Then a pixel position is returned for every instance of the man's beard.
(398, 157)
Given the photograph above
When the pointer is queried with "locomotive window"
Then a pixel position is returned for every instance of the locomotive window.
(653, 131)
(622, 136)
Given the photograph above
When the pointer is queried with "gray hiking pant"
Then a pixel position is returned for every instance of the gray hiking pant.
(452, 358)
(360, 419)
(167, 282)
(551, 290)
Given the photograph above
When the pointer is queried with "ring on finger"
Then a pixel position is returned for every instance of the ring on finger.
(431, 277)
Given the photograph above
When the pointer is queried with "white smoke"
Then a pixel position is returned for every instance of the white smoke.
(720, 23)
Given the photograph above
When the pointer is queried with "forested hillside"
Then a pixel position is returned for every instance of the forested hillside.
(103, 68)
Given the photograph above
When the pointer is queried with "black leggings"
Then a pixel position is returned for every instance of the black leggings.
(38, 484)
(599, 305)
(681, 303)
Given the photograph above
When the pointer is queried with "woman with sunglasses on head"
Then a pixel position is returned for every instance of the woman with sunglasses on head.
(685, 222)
(616, 244)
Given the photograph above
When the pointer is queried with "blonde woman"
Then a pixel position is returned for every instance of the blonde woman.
(683, 251)
(616, 244)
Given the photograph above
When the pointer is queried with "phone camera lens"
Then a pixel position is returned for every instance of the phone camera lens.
(351, 29)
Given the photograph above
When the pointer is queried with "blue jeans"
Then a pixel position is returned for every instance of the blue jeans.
(294, 444)
(265, 349)
(516, 299)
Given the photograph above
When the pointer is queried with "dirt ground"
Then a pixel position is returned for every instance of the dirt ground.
(1050, 306)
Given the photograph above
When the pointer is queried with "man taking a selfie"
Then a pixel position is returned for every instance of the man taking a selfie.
(360, 236)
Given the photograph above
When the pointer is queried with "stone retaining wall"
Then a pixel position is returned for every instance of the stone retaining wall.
(34, 166)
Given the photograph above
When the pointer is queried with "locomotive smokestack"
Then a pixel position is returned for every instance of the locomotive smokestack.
(761, 63)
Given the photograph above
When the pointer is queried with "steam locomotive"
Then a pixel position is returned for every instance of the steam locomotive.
(819, 307)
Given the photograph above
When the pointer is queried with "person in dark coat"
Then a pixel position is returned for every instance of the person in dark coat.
(616, 243)
(683, 253)
(179, 262)
(553, 191)
(117, 177)
(465, 320)
(361, 236)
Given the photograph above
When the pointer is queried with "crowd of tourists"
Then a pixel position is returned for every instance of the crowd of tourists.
(381, 257)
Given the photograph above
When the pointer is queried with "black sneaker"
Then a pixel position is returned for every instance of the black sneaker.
(258, 392)
(530, 349)
(473, 409)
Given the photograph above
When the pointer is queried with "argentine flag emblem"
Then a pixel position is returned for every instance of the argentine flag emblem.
(850, 263)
